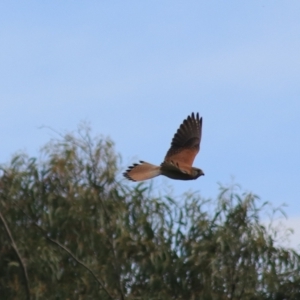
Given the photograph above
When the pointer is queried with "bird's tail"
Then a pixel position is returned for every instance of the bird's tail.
(142, 171)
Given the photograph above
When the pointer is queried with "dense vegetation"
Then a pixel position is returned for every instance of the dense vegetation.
(70, 228)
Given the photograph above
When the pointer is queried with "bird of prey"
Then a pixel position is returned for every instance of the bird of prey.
(180, 157)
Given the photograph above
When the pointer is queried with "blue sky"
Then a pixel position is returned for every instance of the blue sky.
(135, 69)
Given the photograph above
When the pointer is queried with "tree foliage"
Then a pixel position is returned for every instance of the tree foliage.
(71, 229)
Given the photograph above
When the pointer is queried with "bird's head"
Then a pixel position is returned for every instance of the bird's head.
(197, 172)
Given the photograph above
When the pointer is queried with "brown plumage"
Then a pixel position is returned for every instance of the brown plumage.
(180, 157)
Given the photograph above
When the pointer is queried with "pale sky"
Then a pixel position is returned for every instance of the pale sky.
(135, 69)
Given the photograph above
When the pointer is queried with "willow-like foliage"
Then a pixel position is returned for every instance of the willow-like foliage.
(72, 229)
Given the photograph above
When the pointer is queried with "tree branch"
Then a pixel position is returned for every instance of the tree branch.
(68, 251)
(22, 264)
(75, 258)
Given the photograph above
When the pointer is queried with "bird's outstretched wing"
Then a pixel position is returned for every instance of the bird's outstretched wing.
(186, 142)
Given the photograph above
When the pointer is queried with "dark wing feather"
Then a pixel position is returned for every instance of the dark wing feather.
(186, 141)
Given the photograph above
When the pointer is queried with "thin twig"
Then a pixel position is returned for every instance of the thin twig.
(18, 256)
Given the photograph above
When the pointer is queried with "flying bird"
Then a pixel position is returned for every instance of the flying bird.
(180, 157)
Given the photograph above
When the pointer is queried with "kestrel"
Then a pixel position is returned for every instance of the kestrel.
(180, 157)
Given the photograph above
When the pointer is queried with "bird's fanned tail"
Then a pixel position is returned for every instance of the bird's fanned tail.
(142, 171)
